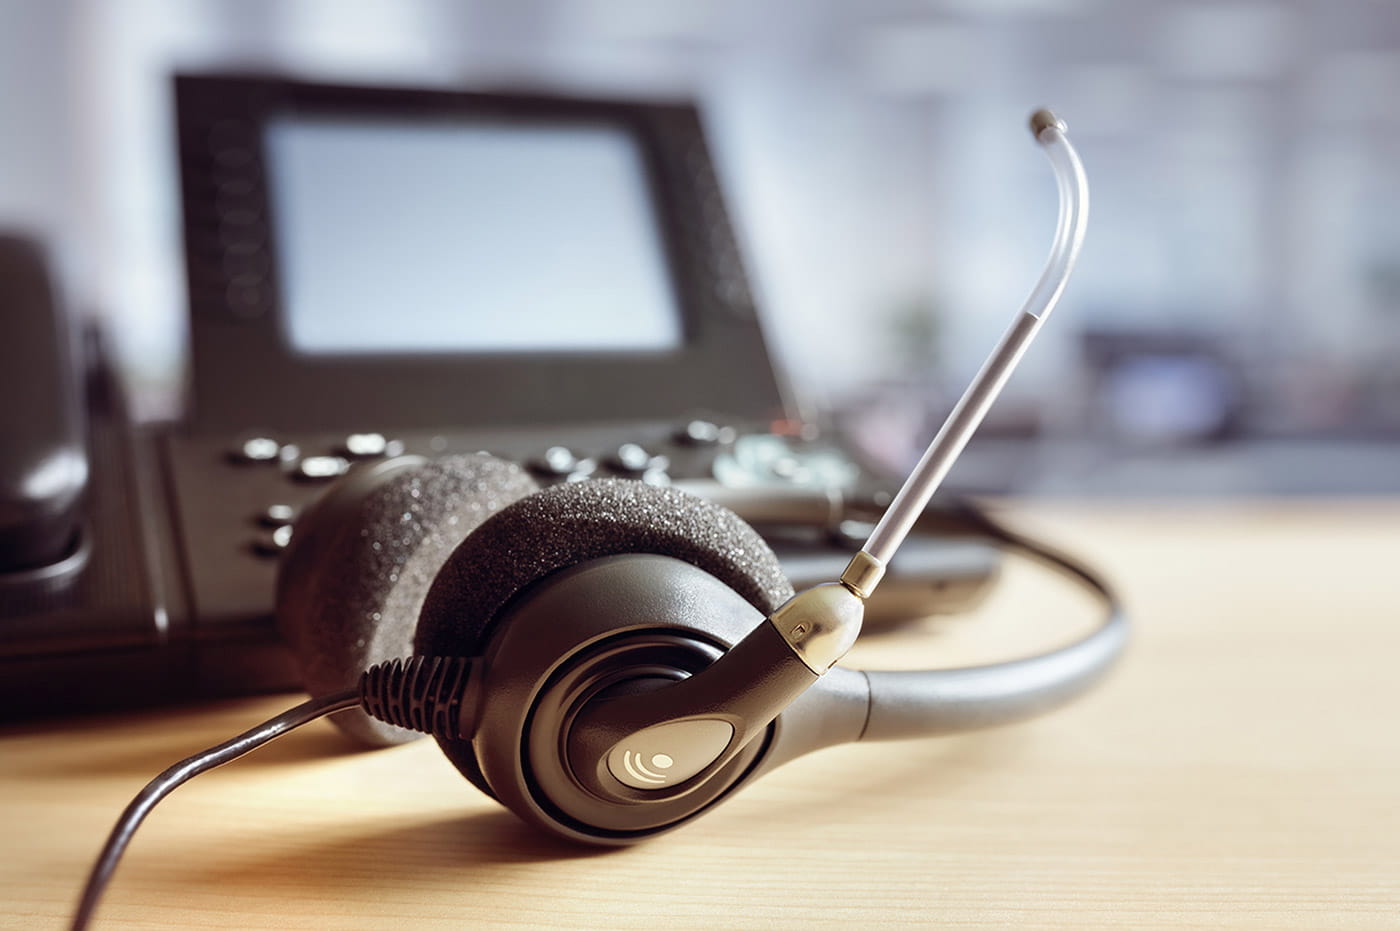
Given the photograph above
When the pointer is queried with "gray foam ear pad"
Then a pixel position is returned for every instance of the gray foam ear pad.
(572, 523)
(363, 558)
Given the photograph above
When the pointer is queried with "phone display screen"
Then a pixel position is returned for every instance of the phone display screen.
(417, 236)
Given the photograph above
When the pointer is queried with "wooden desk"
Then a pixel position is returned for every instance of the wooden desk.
(1242, 768)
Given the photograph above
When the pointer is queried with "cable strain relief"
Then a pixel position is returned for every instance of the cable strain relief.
(423, 693)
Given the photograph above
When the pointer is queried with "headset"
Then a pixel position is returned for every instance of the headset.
(609, 659)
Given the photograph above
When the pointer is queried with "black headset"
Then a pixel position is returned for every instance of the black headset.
(602, 644)
(610, 659)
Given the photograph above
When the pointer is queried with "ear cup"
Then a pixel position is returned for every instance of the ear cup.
(363, 557)
(573, 523)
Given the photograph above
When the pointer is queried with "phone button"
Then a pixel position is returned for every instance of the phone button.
(272, 544)
(634, 460)
(704, 433)
(277, 515)
(370, 446)
(256, 449)
(557, 460)
(629, 457)
(321, 468)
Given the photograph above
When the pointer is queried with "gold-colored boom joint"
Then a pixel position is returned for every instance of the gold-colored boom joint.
(863, 574)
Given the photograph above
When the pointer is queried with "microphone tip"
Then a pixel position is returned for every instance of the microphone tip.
(1042, 120)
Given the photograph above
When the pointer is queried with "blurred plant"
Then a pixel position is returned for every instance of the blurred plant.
(915, 329)
(1382, 278)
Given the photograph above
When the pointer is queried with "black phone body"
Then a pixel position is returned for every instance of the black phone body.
(43, 461)
(323, 226)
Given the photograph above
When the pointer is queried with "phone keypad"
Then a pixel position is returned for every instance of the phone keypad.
(285, 473)
(238, 516)
(685, 451)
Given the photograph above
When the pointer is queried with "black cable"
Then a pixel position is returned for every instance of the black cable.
(182, 772)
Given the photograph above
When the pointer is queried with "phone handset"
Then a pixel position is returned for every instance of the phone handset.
(43, 456)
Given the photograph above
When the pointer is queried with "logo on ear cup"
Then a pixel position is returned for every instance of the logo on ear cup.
(638, 769)
(640, 761)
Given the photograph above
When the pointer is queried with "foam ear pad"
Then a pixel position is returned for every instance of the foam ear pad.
(569, 524)
(363, 557)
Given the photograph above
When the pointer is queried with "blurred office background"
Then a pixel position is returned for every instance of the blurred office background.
(1235, 323)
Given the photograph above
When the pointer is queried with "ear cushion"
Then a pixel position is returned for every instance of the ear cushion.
(569, 524)
(363, 557)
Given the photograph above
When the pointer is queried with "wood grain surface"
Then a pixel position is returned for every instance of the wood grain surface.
(1241, 769)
